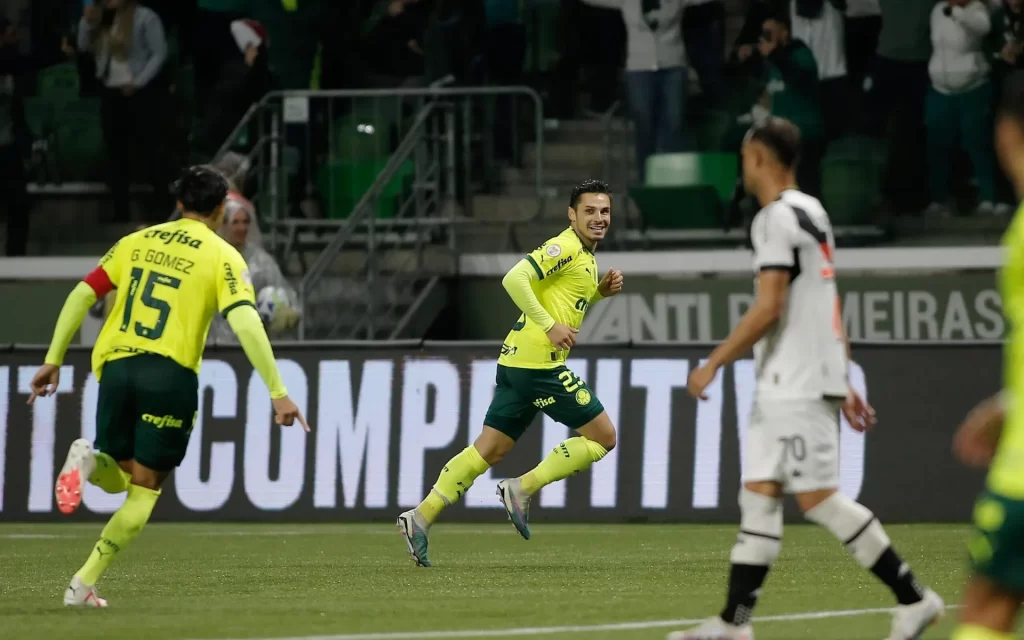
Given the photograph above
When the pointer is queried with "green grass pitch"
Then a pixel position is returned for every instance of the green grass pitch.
(343, 582)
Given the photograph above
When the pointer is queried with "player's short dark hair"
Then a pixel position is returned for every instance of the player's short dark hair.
(588, 186)
(782, 137)
(200, 189)
(1011, 102)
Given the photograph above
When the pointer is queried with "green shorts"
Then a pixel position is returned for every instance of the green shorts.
(558, 392)
(146, 410)
(997, 544)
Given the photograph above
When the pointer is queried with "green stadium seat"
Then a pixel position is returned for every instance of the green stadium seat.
(79, 140)
(39, 116)
(59, 81)
(686, 190)
(342, 183)
(858, 147)
(717, 170)
(713, 131)
(678, 207)
(850, 188)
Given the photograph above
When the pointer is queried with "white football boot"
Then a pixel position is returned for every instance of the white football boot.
(517, 505)
(909, 621)
(416, 530)
(82, 595)
(714, 629)
(78, 466)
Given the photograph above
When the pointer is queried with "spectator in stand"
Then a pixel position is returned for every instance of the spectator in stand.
(704, 37)
(819, 25)
(15, 141)
(862, 28)
(791, 79)
(243, 78)
(896, 104)
(393, 42)
(1005, 46)
(960, 102)
(656, 75)
(241, 229)
(505, 51)
(211, 42)
(579, 63)
(130, 50)
(1006, 41)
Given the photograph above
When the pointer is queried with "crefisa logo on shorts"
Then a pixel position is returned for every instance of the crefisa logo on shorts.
(163, 422)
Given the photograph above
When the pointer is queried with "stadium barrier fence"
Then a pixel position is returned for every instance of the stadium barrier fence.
(387, 416)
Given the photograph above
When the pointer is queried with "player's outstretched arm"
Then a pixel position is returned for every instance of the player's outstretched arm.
(246, 324)
(70, 319)
(772, 289)
(517, 284)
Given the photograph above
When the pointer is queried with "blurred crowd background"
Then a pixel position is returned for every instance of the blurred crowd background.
(894, 97)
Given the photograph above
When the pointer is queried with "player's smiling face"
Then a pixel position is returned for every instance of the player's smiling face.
(592, 216)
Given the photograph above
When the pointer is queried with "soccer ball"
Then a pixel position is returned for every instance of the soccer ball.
(269, 300)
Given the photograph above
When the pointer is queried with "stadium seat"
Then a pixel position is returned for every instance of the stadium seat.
(342, 183)
(713, 127)
(686, 190)
(59, 81)
(717, 170)
(79, 140)
(39, 116)
(851, 180)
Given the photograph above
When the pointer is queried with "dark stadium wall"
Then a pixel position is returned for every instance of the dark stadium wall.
(386, 420)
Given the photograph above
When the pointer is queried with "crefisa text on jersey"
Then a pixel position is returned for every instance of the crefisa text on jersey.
(179, 236)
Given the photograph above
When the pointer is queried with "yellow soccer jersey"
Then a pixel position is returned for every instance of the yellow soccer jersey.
(566, 286)
(1006, 476)
(170, 278)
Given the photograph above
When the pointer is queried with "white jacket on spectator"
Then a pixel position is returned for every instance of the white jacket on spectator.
(654, 41)
(825, 37)
(958, 61)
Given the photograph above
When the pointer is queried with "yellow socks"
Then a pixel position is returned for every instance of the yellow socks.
(453, 483)
(122, 528)
(109, 475)
(973, 632)
(567, 459)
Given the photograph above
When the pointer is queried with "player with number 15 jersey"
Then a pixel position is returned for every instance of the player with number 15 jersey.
(170, 280)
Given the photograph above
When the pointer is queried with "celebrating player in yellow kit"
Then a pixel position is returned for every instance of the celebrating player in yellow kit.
(170, 279)
(553, 287)
(994, 430)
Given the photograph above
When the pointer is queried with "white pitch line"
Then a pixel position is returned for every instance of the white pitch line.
(618, 626)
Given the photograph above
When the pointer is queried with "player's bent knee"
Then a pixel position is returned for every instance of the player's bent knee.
(764, 488)
(854, 525)
(146, 477)
(600, 430)
(760, 539)
(493, 445)
(607, 439)
(811, 499)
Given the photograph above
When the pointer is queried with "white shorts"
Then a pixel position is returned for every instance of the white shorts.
(794, 442)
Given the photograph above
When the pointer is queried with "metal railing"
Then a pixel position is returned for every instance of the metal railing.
(364, 192)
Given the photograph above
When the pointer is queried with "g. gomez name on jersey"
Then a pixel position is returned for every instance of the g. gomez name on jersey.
(803, 354)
